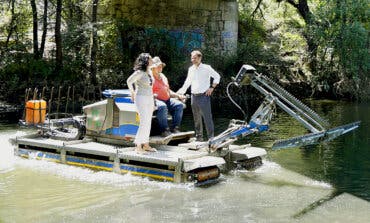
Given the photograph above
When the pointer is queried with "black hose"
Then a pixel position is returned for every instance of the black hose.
(231, 99)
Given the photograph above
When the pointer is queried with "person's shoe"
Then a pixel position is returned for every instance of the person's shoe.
(175, 130)
(140, 150)
(199, 139)
(166, 133)
(149, 148)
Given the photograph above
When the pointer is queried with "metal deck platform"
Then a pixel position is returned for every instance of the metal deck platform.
(171, 163)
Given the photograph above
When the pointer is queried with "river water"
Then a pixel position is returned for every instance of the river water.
(324, 183)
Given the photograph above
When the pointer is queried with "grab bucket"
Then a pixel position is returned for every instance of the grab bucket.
(35, 111)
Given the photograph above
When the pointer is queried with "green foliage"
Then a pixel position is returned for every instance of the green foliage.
(75, 52)
(343, 39)
(22, 73)
(272, 38)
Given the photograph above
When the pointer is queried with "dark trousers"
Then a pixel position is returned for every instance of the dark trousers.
(175, 107)
(201, 107)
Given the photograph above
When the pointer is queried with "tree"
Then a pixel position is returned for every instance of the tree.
(94, 43)
(35, 30)
(58, 37)
(12, 25)
(343, 41)
(44, 28)
(304, 11)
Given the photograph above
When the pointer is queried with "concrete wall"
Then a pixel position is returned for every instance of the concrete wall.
(193, 23)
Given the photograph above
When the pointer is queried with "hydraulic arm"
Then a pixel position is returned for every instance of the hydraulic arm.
(276, 95)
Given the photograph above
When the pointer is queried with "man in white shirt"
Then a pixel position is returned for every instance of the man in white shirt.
(199, 78)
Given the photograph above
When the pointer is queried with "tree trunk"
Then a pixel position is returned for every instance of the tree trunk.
(12, 24)
(305, 13)
(257, 8)
(80, 39)
(94, 44)
(35, 30)
(44, 28)
(58, 38)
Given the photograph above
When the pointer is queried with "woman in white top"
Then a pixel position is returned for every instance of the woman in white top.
(142, 95)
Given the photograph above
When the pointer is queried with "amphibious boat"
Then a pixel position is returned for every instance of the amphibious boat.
(102, 137)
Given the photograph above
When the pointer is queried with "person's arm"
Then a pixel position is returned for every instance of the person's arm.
(216, 77)
(130, 83)
(170, 92)
(186, 85)
(216, 80)
(177, 95)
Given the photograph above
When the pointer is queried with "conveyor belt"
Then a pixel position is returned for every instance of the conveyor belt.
(289, 103)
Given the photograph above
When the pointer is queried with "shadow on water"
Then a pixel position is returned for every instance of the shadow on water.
(343, 162)
(292, 183)
(317, 203)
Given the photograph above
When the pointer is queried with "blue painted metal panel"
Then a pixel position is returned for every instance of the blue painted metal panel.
(146, 171)
(89, 162)
(116, 93)
(39, 154)
(123, 130)
(123, 100)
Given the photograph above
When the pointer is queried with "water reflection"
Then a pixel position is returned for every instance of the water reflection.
(6, 155)
(290, 187)
(344, 162)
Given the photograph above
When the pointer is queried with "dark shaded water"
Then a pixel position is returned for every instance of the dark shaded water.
(293, 185)
(343, 162)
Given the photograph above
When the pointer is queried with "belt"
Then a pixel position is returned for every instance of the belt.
(199, 94)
